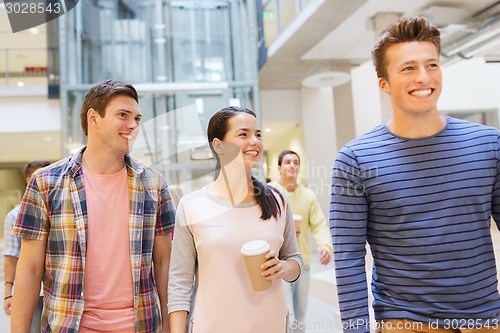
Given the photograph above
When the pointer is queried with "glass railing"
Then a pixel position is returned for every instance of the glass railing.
(26, 66)
(278, 14)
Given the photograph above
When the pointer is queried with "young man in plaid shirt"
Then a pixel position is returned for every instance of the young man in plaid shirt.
(96, 227)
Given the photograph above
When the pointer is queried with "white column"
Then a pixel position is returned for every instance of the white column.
(319, 140)
(367, 98)
(343, 108)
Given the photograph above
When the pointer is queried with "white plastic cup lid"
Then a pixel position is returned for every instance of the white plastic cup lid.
(255, 247)
(297, 217)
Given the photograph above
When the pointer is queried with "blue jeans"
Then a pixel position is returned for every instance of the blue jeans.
(297, 297)
(36, 322)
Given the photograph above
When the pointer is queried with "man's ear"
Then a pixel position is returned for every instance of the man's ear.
(92, 118)
(384, 85)
(217, 145)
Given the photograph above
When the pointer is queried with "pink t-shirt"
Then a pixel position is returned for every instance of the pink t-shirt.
(108, 286)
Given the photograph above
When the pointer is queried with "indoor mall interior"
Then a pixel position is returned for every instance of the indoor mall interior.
(303, 66)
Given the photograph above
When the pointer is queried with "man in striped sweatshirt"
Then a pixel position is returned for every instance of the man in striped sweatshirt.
(421, 191)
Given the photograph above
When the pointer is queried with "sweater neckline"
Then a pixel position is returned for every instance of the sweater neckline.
(423, 138)
(225, 203)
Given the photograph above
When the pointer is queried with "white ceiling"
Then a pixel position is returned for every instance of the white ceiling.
(361, 27)
(341, 33)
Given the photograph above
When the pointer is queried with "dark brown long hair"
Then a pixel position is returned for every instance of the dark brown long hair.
(413, 29)
(264, 196)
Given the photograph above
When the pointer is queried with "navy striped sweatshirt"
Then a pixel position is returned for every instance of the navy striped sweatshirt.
(424, 207)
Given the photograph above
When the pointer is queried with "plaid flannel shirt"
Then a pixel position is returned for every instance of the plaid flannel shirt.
(54, 209)
(12, 244)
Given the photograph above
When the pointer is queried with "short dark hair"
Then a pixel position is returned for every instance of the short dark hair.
(99, 96)
(412, 29)
(286, 152)
(32, 166)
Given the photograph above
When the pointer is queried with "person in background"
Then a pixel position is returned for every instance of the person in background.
(212, 225)
(12, 247)
(97, 228)
(310, 219)
(421, 190)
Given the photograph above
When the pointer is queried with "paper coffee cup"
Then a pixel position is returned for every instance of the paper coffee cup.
(297, 220)
(254, 253)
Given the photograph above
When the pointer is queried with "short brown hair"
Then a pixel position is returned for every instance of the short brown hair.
(286, 152)
(99, 96)
(32, 166)
(413, 29)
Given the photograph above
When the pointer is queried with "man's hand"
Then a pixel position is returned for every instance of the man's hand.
(7, 305)
(324, 256)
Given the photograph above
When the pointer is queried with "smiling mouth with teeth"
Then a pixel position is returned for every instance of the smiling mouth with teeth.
(126, 136)
(251, 152)
(421, 92)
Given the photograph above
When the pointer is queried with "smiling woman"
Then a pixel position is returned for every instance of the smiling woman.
(213, 224)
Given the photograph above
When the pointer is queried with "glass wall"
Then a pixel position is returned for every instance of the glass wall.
(187, 59)
(278, 14)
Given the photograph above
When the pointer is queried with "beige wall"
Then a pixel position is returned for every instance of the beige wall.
(12, 187)
(11, 179)
(281, 105)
